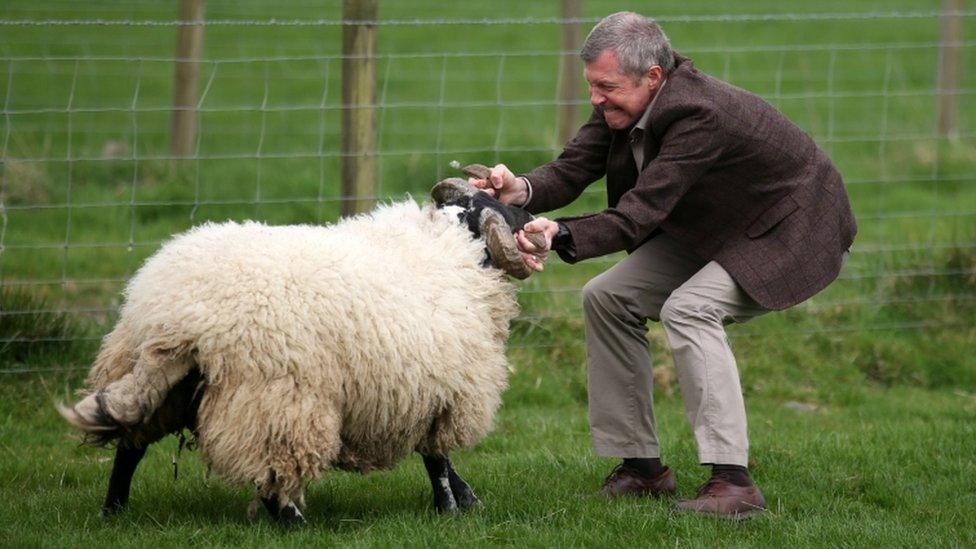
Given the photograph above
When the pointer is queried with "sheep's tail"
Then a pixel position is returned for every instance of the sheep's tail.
(114, 410)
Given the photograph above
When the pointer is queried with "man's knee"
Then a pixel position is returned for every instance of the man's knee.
(604, 293)
(684, 308)
(597, 293)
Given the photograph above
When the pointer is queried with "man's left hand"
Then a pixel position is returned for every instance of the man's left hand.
(534, 256)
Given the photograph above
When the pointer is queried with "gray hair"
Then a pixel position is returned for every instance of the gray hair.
(638, 41)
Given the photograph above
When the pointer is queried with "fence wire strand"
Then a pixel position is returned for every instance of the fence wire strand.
(506, 21)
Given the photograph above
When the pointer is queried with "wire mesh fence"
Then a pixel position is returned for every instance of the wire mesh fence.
(90, 187)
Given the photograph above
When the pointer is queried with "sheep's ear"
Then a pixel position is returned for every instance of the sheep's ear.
(451, 189)
(501, 245)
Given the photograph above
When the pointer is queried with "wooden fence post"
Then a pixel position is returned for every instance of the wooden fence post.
(188, 52)
(358, 109)
(569, 71)
(950, 56)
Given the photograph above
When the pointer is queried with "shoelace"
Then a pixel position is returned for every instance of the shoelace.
(705, 488)
(613, 473)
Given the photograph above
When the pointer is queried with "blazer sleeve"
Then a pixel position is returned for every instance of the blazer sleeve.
(690, 146)
(583, 161)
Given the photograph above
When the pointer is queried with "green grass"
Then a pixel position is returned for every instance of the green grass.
(869, 467)
(882, 360)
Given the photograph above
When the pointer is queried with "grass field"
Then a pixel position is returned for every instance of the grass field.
(862, 402)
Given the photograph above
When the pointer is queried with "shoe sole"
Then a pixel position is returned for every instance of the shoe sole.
(659, 495)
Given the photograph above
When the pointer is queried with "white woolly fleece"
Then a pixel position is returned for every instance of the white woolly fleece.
(342, 346)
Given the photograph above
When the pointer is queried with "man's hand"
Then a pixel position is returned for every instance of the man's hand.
(534, 256)
(503, 185)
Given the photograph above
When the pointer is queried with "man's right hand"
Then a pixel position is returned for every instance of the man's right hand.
(503, 185)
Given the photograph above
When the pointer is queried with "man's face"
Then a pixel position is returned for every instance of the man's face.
(623, 98)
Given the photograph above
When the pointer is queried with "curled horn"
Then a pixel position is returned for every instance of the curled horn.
(454, 188)
(501, 244)
(477, 171)
(451, 189)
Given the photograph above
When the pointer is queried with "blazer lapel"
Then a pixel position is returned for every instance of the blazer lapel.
(621, 169)
(651, 148)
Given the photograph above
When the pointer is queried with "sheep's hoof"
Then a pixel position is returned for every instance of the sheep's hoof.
(446, 509)
(464, 495)
(462, 492)
(114, 505)
(444, 502)
(457, 502)
(468, 501)
(291, 516)
(109, 511)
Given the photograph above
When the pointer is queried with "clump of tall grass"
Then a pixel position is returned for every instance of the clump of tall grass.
(33, 332)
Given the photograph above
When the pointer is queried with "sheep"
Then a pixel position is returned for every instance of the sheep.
(291, 350)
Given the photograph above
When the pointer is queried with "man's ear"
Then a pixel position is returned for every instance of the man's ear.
(655, 75)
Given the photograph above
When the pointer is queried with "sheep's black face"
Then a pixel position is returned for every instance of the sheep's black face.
(487, 219)
(470, 209)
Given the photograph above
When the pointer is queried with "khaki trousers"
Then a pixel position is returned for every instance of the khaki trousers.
(693, 299)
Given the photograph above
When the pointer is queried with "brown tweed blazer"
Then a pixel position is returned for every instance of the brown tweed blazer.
(725, 174)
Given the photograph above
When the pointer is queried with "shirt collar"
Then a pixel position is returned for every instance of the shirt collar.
(642, 122)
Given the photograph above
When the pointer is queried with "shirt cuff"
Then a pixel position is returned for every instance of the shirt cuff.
(528, 187)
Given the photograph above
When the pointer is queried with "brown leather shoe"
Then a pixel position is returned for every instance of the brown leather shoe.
(624, 481)
(720, 498)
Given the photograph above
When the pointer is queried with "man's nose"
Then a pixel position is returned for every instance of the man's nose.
(596, 98)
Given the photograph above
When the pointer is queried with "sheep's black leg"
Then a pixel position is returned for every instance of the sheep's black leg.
(451, 492)
(463, 493)
(287, 515)
(290, 515)
(271, 504)
(126, 461)
(439, 471)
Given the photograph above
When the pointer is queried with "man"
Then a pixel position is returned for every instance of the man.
(728, 211)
